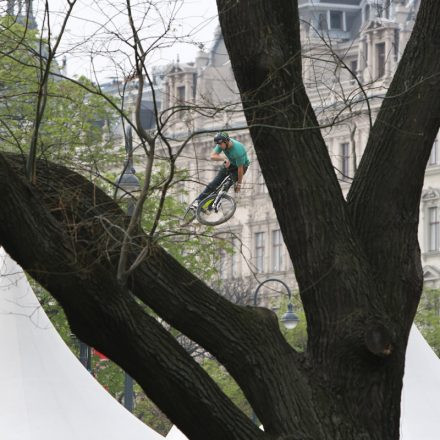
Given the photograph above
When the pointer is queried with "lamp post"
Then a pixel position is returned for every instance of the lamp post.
(85, 352)
(127, 187)
(127, 184)
(128, 393)
(289, 319)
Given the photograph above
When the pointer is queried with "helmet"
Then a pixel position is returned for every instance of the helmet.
(221, 136)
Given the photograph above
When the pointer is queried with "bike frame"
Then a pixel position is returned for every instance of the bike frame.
(220, 192)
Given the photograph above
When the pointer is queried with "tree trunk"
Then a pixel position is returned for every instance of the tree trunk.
(357, 263)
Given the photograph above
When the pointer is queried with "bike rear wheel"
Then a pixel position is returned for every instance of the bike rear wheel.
(189, 216)
(207, 215)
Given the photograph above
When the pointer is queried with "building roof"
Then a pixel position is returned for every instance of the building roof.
(333, 2)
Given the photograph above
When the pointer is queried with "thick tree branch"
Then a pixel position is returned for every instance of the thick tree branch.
(106, 316)
(299, 174)
(385, 195)
(246, 340)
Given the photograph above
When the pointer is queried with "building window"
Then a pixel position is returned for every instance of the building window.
(433, 158)
(182, 193)
(353, 68)
(433, 229)
(235, 258)
(367, 12)
(277, 251)
(259, 251)
(336, 20)
(222, 265)
(322, 21)
(345, 159)
(387, 9)
(181, 94)
(382, 8)
(380, 54)
(261, 184)
(379, 10)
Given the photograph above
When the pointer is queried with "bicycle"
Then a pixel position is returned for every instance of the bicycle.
(215, 209)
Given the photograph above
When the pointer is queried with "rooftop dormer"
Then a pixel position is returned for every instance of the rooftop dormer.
(334, 19)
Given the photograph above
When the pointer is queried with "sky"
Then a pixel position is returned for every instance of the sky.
(101, 28)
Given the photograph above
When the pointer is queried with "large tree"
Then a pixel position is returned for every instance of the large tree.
(357, 261)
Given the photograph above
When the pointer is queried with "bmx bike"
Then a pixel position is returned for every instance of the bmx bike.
(215, 209)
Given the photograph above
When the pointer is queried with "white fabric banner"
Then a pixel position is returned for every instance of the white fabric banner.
(420, 406)
(46, 393)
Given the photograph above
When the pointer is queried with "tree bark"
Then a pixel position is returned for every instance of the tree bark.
(357, 263)
(101, 311)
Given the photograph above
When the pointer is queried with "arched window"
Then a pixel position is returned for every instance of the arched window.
(431, 214)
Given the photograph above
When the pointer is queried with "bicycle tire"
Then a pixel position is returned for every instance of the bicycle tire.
(210, 218)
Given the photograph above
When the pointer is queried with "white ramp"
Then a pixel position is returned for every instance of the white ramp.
(175, 434)
(420, 417)
(420, 406)
(46, 393)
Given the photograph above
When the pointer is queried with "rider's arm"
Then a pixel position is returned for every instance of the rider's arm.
(240, 172)
(217, 156)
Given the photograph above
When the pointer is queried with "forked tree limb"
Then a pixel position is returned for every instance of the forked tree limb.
(246, 340)
(384, 198)
(106, 316)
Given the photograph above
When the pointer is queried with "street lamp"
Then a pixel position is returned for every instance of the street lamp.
(127, 184)
(127, 188)
(289, 319)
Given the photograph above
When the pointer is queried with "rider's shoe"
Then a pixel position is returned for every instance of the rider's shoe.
(207, 207)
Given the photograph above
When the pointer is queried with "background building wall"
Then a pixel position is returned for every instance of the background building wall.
(351, 50)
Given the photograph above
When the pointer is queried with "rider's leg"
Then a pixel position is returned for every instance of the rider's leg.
(223, 172)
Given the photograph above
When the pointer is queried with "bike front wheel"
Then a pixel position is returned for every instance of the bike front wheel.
(207, 215)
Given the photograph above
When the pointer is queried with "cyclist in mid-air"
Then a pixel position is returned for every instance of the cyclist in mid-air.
(235, 163)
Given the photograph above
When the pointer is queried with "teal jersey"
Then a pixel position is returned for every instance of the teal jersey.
(236, 154)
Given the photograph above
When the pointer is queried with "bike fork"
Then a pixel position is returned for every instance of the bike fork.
(217, 202)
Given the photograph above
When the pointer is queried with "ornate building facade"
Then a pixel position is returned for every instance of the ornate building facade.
(23, 10)
(351, 49)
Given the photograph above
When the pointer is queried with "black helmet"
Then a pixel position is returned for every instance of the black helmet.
(221, 136)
